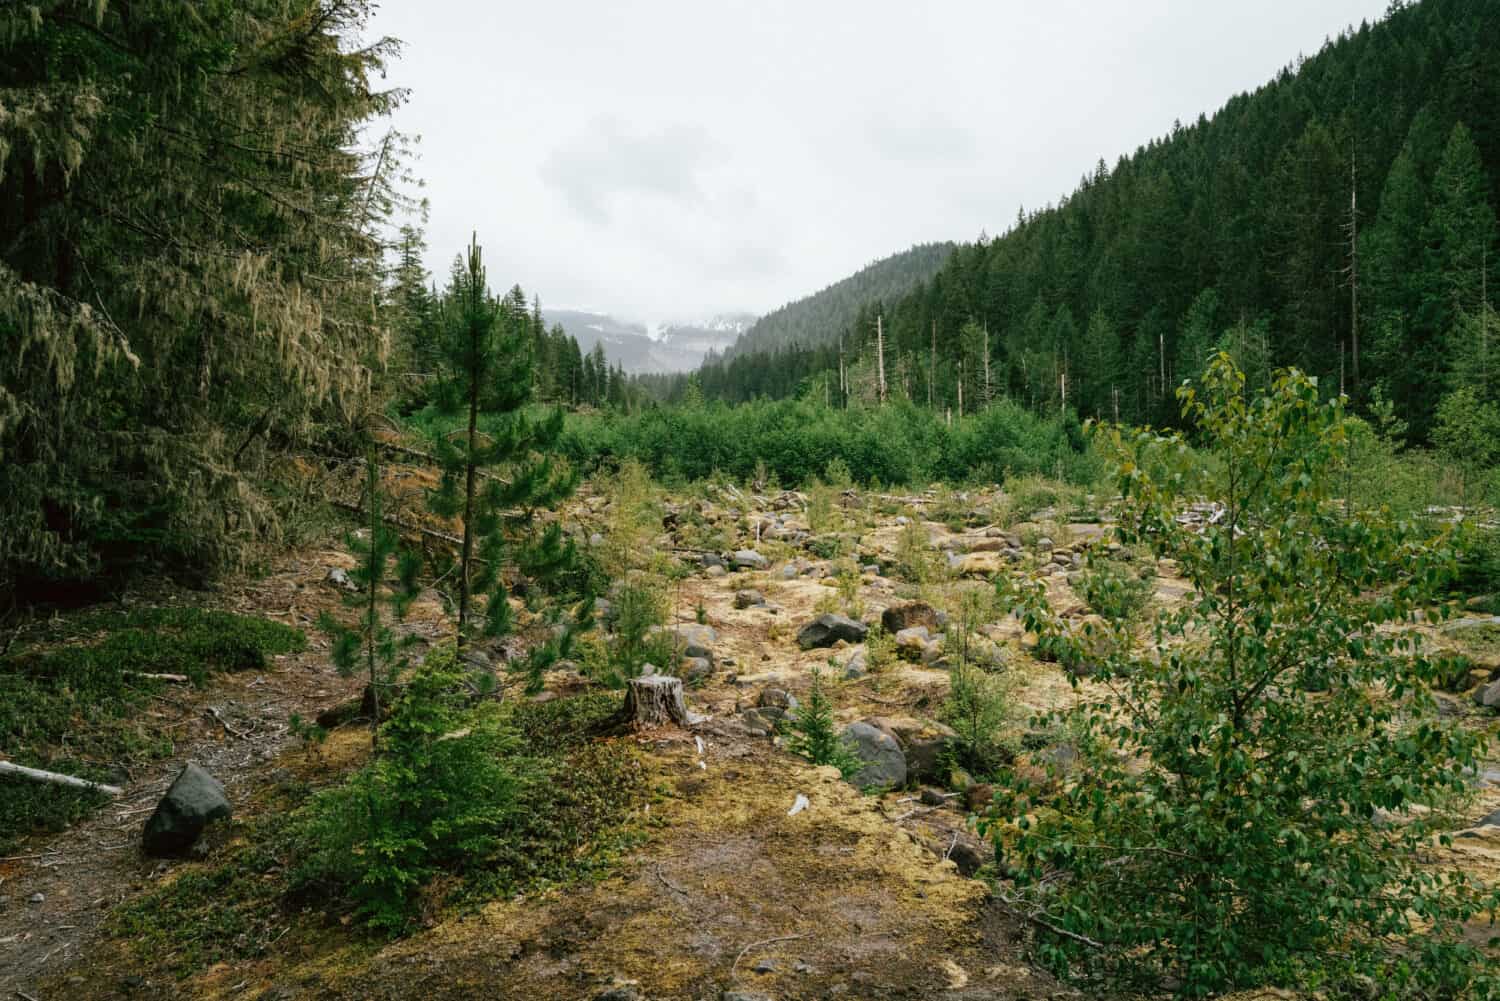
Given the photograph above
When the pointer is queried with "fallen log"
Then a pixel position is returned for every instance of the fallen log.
(181, 679)
(395, 522)
(56, 778)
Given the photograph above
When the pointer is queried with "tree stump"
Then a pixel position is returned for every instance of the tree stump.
(656, 700)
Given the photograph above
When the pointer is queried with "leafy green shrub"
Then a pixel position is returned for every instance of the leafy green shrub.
(812, 731)
(1479, 565)
(822, 507)
(1031, 494)
(916, 560)
(571, 798)
(828, 547)
(1115, 590)
(1221, 832)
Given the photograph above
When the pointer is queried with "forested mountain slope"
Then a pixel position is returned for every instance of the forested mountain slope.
(820, 318)
(1341, 218)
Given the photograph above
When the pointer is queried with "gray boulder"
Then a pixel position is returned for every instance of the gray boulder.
(857, 666)
(194, 799)
(1488, 695)
(696, 668)
(697, 641)
(1493, 820)
(749, 559)
(929, 750)
(884, 763)
(826, 630)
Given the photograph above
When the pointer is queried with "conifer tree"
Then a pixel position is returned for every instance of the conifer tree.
(372, 643)
(495, 479)
(187, 269)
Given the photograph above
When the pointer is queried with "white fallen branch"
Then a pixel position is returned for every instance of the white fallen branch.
(181, 679)
(56, 778)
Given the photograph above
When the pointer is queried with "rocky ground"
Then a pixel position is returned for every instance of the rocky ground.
(762, 876)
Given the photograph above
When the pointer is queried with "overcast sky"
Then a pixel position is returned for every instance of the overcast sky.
(671, 159)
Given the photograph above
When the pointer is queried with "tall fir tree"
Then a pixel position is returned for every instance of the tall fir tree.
(497, 478)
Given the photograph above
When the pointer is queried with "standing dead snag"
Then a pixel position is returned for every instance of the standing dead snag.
(656, 700)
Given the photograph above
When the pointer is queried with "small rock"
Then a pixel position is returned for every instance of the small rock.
(716, 571)
(776, 698)
(967, 857)
(765, 966)
(696, 668)
(826, 630)
(36, 898)
(742, 996)
(856, 666)
(1488, 695)
(596, 540)
(748, 598)
(908, 616)
(931, 797)
(978, 796)
(697, 641)
(1493, 820)
(622, 993)
(1043, 544)
(194, 799)
(339, 578)
(749, 559)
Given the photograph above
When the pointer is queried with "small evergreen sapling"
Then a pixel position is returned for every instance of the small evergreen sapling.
(371, 643)
(813, 732)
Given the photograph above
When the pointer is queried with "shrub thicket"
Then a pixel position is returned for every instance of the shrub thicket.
(797, 440)
(1225, 830)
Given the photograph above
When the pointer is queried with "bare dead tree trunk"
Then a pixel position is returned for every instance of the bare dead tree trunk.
(932, 365)
(880, 357)
(1353, 267)
(987, 396)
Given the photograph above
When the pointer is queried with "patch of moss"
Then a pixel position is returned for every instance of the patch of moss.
(212, 913)
(83, 679)
(578, 794)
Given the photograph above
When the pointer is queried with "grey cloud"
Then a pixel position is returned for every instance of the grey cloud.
(596, 167)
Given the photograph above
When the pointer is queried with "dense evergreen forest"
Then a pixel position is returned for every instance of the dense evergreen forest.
(811, 318)
(1341, 218)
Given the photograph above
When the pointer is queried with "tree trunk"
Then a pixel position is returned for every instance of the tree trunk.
(37, 775)
(656, 700)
